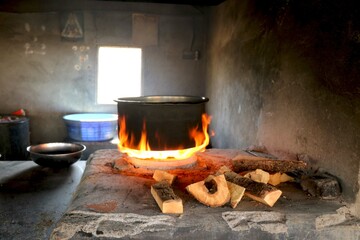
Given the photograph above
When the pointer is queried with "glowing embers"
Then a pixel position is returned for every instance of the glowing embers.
(142, 149)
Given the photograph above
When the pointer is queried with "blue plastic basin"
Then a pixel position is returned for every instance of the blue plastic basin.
(91, 126)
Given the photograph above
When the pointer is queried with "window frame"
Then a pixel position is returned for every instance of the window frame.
(97, 70)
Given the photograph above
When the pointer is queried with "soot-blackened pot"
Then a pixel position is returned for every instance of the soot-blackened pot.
(167, 119)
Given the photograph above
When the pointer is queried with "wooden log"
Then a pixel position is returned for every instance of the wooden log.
(160, 175)
(218, 197)
(258, 176)
(247, 163)
(286, 178)
(275, 179)
(236, 193)
(166, 199)
(260, 192)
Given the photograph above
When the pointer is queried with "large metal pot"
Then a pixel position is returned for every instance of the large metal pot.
(167, 119)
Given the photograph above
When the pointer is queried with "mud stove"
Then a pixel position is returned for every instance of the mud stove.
(114, 200)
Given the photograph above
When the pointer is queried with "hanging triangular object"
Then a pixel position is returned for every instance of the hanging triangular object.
(72, 28)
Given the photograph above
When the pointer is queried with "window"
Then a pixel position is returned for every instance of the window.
(119, 73)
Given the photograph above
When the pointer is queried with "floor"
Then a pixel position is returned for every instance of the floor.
(33, 198)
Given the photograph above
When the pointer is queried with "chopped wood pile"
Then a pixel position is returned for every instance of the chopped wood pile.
(254, 177)
(258, 191)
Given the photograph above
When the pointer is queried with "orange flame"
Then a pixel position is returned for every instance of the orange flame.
(142, 149)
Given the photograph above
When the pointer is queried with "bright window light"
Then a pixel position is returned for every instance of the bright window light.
(119, 73)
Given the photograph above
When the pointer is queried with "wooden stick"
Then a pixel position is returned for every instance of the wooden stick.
(160, 175)
(258, 176)
(275, 179)
(166, 199)
(278, 178)
(247, 163)
(260, 192)
(236, 193)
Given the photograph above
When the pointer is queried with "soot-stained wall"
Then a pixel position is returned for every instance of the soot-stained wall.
(50, 77)
(284, 75)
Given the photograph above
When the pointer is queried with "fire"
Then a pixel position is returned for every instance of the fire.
(143, 150)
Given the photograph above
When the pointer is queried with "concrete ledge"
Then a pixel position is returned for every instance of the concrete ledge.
(111, 205)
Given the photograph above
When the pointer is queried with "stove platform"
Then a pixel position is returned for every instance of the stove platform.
(116, 202)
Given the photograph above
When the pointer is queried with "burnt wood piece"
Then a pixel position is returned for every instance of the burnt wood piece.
(324, 186)
(247, 163)
(257, 191)
(166, 199)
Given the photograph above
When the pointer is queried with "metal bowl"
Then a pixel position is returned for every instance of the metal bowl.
(56, 154)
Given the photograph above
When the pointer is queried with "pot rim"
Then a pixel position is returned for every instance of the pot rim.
(40, 149)
(91, 117)
(163, 99)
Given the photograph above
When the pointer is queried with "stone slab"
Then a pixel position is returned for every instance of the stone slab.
(112, 204)
(34, 198)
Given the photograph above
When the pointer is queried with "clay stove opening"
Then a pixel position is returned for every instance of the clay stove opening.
(169, 132)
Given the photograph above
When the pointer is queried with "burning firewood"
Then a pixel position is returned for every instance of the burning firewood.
(160, 175)
(258, 191)
(166, 199)
(247, 163)
(212, 192)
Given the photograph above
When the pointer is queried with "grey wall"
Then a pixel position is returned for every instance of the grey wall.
(284, 74)
(50, 78)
